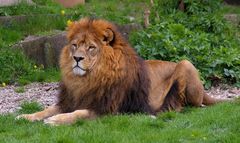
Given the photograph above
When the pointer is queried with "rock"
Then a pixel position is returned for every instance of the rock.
(33, 47)
(14, 2)
(21, 19)
(53, 46)
(70, 3)
(43, 49)
(128, 28)
(234, 91)
(10, 101)
(230, 96)
(8, 20)
(234, 18)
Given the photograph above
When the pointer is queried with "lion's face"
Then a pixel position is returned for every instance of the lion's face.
(84, 53)
(86, 43)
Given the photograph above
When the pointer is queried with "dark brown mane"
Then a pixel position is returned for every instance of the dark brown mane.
(121, 85)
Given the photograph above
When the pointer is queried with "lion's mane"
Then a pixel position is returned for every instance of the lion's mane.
(118, 84)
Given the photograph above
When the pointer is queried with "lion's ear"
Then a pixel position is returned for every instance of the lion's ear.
(108, 36)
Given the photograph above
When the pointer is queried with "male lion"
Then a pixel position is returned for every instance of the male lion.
(102, 74)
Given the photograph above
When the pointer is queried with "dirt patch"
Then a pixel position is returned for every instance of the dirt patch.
(45, 94)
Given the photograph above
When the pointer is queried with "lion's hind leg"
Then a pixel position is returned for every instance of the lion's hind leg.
(184, 88)
(190, 88)
(173, 99)
(48, 112)
(190, 83)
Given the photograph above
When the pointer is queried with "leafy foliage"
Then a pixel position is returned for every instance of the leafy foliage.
(199, 34)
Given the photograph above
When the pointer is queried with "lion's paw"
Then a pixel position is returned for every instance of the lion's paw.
(30, 117)
(60, 119)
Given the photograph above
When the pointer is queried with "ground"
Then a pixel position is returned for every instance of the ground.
(11, 97)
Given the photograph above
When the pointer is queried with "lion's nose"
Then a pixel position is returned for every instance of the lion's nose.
(78, 59)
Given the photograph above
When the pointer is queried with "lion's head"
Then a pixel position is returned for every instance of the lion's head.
(100, 70)
(88, 40)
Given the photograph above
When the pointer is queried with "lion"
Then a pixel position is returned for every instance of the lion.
(102, 74)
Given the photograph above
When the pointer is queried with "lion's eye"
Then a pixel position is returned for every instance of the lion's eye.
(74, 47)
(91, 48)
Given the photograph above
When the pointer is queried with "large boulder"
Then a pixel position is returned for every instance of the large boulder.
(70, 3)
(43, 49)
(14, 2)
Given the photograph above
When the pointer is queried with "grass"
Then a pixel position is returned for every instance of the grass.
(29, 107)
(230, 9)
(114, 10)
(212, 124)
(40, 75)
(19, 89)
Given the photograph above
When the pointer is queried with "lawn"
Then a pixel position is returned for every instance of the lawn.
(219, 123)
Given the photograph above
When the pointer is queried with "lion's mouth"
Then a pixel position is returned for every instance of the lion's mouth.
(77, 66)
(77, 70)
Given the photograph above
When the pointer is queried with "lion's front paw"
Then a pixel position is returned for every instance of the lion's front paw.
(59, 119)
(30, 117)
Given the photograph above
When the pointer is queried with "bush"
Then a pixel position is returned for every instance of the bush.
(199, 34)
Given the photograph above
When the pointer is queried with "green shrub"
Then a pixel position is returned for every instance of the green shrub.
(200, 34)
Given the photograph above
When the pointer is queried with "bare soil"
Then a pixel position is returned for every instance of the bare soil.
(45, 94)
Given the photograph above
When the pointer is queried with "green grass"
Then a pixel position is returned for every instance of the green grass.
(230, 9)
(29, 107)
(114, 10)
(218, 123)
(40, 75)
(19, 89)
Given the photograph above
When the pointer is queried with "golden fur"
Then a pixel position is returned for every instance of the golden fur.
(102, 74)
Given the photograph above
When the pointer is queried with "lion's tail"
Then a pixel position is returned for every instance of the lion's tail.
(208, 100)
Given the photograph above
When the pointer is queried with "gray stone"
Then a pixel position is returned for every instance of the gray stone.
(43, 49)
(53, 46)
(128, 28)
(233, 18)
(21, 19)
(14, 2)
(8, 20)
(70, 3)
